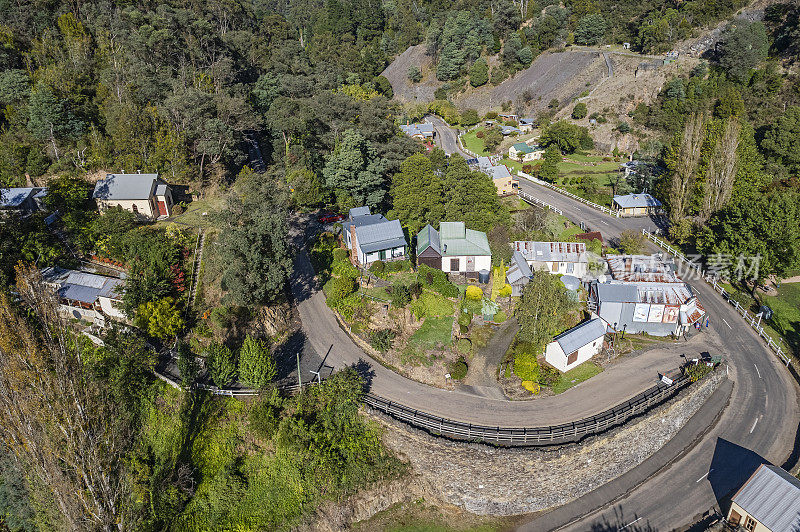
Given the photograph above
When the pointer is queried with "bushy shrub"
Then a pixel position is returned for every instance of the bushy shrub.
(437, 280)
(430, 304)
(532, 387)
(527, 168)
(500, 317)
(464, 346)
(256, 364)
(474, 293)
(398, 266)
(341, 254)
(458, 369)
(491, 115)
(220, 364)
(505, 291)
(400, 296)
(480, 134)
(265, 416)
(415, 289)
(344, 268)
(341, 287)
(525, 364)
(382, 339)
(697, 372)
(352, 306)
(464, 318)
(377, 267)
(463, 329)
(549, 376)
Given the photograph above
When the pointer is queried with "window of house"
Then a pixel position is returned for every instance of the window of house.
(554, 266)
(572, 358)
(570, 267)
(135, 209)
(749, 523)
(453, 265)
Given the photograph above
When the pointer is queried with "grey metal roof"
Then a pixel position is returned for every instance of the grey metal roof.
(359, 211)
(772, 497)
(617, 292)
(580, 335)
(161, 189)
(630, 201)
(552, 251)
(527, 121)
(383, 235)
(125, 186)
(519, 269)
(426, 130)
(507, 130)
(498, 172)
(360, 221)
(14, 197)
(82, 286)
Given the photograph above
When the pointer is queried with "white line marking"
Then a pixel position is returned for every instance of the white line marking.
(754, 426)
(704, 476)
(605, 222)
(728, 324)
(629, 524)
(759, 373)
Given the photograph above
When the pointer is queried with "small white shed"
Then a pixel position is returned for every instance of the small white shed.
(576, 345)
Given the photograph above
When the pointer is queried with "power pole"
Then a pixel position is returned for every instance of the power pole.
(299, 378)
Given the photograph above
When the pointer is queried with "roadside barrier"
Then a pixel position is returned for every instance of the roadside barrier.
(531, 199)
(569, 194)
(533, 436)
(712, 282)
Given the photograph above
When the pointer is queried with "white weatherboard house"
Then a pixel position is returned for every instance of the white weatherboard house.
(145, 195)
(371, 237)
(454, 249)
(86, 296)
(567, 258)
(576, 345)
(768, 502)
(521, 150)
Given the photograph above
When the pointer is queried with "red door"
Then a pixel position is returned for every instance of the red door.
(162, 208)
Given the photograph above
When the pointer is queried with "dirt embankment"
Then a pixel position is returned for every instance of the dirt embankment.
(397, 74)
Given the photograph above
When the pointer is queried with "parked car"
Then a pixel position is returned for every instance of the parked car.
(329, 218)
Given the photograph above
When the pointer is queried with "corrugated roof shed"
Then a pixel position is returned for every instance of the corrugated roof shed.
(650, 268)
(617, 292)
(499, 172)
(428, 237)
(772, 497)
(125, 186)
(426, 130)
(519, 269)
(641, 292)
(82, 286)
(580, 335)
(631, 201)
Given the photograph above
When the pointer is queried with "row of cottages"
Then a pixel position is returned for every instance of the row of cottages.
(22, 200)
(86, 296)
(454, 249)
(577, 345)
(525, 153)
(768, 502)
(420, 131)
(567, 258)
(503, 181)
(645, 295)
(636, 205)
(371, 237)
(145, 195)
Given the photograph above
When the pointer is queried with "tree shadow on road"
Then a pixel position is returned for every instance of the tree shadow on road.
(623, 523)
(365, 371)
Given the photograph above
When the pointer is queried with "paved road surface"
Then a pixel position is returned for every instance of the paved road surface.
(760, 423)
(446, 138)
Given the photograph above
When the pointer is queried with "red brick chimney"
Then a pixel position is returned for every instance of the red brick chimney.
(353, 243)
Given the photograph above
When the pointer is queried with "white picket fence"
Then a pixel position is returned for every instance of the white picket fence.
(754, 322)
(530, 199)
(591, 204)
(464, 148)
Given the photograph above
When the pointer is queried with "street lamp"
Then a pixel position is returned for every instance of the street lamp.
(623, 330)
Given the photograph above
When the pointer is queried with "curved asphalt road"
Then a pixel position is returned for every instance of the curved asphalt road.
(761, 420)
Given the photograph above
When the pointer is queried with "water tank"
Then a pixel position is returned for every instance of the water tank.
(571, 282)
(601, 278)
(483, 276)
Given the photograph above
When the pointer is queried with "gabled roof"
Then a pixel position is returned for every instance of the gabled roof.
(426, 130)
(14, 197)
(552, 251)
(527, 121)
(386, 234)
(631, 201)
(507, 130)
(523, 148)
(519, 269)
(126, 186)
(428, 237)
(772, 497)
(456, 240)
(82, 286)
(498, 172)
(580, 335)
(359, 211)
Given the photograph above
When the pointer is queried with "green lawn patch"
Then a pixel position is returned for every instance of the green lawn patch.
(473, 143)
(514, 166)
(432, 304)
(575, 376)
(193, 216)
(786, 314)
(434, 332)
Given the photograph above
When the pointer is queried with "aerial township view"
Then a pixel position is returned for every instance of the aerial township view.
(400, 265)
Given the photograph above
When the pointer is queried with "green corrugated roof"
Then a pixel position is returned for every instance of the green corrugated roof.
(453, 240)
(427, 237)
(524, 148)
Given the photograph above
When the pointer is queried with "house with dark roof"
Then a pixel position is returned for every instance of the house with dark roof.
(22, 200)
(577, 345)
(145, 195)
(567, 258)
(454, 249)
(371, 237)
(519, 274)
(527, 124)
(768, 502)
(636, 204)
(86, 296)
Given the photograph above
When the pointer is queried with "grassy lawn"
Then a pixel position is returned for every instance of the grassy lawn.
(514, 166)
(473, 143)
(786, 314)
(431, 304)
(434, 332)
(193, 216)
(585, 371)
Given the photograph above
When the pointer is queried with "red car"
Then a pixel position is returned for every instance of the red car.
(329, 218)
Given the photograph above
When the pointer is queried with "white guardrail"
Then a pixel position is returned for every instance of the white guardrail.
(712, 281)
(591, 204)
(531, 199)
